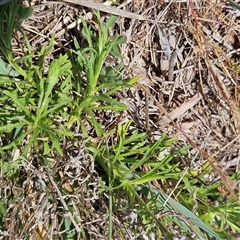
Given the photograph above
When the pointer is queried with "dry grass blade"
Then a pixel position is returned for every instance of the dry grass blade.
(181, 110)
(107, 9)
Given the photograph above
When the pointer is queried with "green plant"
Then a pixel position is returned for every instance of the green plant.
(102, 80)
(41, 103)
(38, 105)
(11, 15)
(221, 215)
(124, 162)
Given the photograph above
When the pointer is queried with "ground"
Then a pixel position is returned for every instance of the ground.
(188, 62)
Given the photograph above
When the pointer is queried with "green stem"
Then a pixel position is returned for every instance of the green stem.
(234, 4)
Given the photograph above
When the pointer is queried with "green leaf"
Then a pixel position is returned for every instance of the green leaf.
(114, 105)
(56, 107)
(3, 210)
(9, 127)
(24, 12)
(13, 95)
(234, 4)
(111, 21)
(57, 145)
(97, 126)
(7, 71)
(53, 76)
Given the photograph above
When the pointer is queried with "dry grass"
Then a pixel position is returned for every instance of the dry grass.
(188, 87)
(199, 98)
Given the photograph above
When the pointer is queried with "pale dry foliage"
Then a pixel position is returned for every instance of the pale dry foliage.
(188, 87)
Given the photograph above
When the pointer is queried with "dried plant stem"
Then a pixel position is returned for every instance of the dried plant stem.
(108, 9)
(70, 215)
